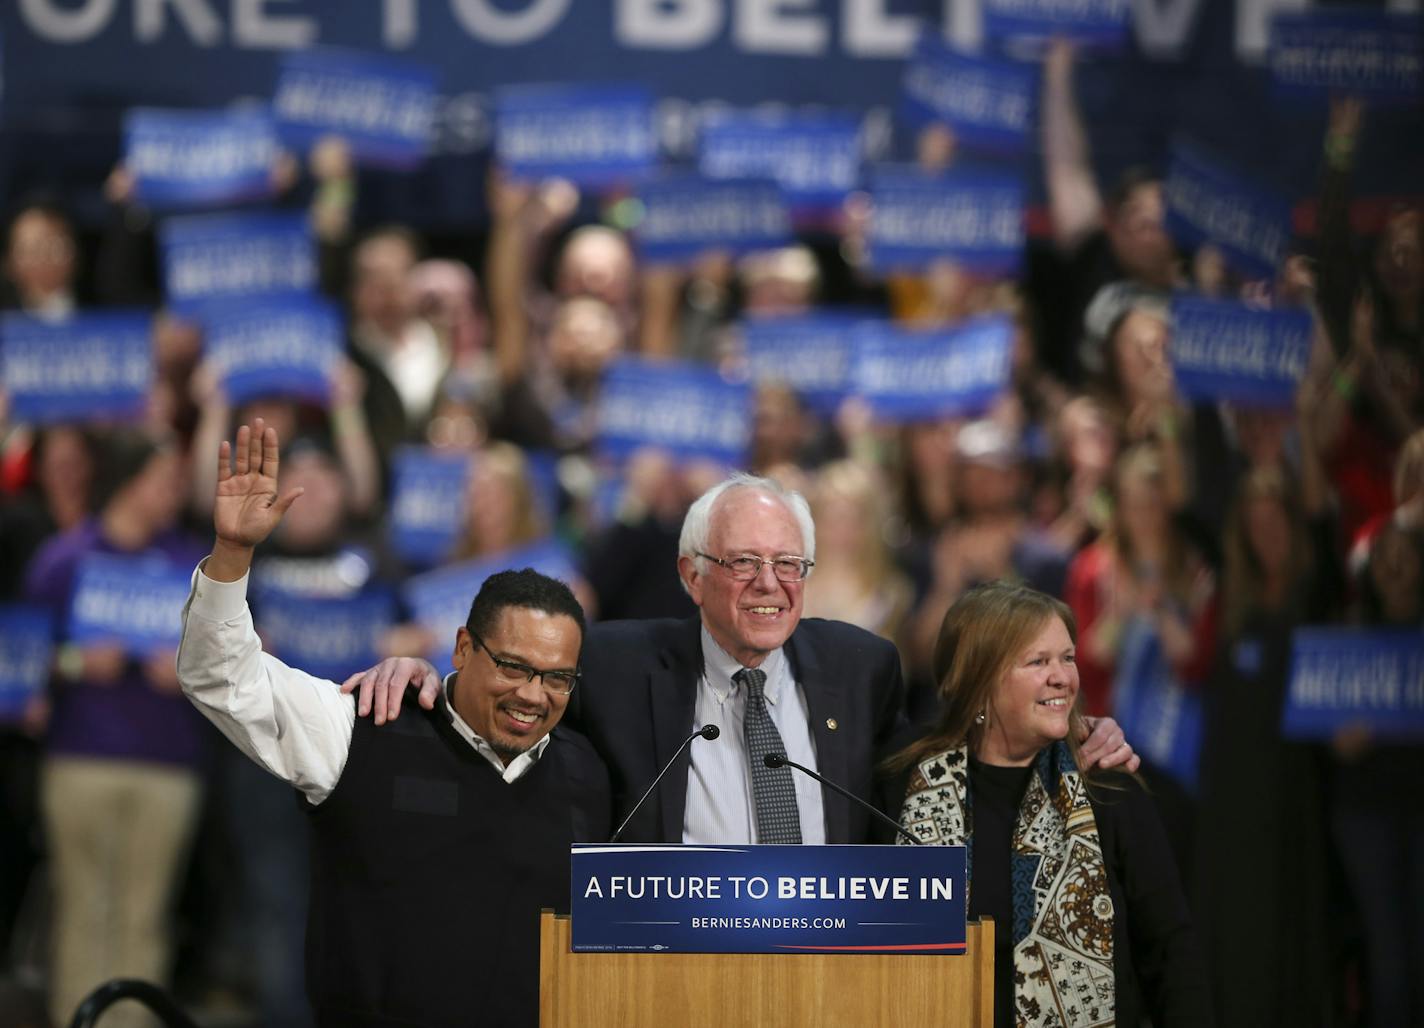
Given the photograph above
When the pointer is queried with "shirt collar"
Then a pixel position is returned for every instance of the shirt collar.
(718, 667)
(485, 750)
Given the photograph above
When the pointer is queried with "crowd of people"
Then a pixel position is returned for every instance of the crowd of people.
(1207, 532)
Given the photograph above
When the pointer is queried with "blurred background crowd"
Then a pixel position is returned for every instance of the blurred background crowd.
(1190, 536)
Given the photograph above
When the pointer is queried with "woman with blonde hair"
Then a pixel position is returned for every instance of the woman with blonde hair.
(856, 578)
(501, 508)
(1090, 924)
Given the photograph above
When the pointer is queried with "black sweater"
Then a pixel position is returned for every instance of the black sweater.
(429, 872)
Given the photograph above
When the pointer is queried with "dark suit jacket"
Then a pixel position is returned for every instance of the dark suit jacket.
(637, 700)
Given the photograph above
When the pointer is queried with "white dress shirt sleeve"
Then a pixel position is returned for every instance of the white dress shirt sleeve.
(293, 724)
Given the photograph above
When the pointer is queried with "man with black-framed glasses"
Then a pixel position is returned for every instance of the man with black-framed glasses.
(435, 842)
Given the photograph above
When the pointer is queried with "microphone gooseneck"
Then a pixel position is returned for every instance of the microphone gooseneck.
(776, 760)
(708, 732)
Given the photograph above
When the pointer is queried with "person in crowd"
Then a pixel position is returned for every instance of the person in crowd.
(1261, 869)
(1376, 822)
(989, 538)
(1372, 306)
(502, 507)
(1085, 452)
(487, 794)
(1091, 923)
(121, 784)
(826, 694)
(1096, 240)
(41, 262)
(626, 561)
(1141, 566)
(856, 580)
(399, 354)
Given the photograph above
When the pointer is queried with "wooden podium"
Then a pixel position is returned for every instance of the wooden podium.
(658, 990)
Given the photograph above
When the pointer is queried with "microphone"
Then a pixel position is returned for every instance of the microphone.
(708, 732)
(776, 760)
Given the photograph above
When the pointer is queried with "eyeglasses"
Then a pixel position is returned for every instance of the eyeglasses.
(746, 566)
(560, 683)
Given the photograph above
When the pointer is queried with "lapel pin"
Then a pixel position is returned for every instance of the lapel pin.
(832, 723)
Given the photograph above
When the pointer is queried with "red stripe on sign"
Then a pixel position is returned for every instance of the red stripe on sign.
(951, 947)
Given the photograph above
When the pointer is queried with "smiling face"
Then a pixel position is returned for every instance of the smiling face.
(509, 713)
(1030, 705)
(747, 619)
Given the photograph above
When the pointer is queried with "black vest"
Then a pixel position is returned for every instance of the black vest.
(429, 872)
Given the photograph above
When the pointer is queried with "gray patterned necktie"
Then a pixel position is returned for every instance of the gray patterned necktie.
(778, 818)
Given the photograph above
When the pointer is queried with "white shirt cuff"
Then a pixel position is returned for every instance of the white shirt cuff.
(218, 601)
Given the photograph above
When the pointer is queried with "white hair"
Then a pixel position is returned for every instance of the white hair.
(697, 526)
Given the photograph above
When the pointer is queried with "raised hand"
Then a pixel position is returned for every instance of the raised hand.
(246, 506)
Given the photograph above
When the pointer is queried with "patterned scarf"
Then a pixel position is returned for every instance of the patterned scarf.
(1063, 915)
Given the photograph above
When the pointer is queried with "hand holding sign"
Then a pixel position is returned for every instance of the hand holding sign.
(246, 508)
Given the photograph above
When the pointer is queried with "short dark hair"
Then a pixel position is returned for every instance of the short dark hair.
(1130, 181)
(523, 588)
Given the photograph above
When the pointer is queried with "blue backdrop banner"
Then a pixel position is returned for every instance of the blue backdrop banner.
(769, 899)
(439, 600)
(185, 158)
(591, 134)
(382, 106)
(975, 220)
(1343, 677)
(224, 256)
(685, 409)
(911, 375)
(88, 367)
(1161, 717)
(684, 216)
(1210, 203)
(280, 346)
(815, 158)
(428, 502)
(328, 637)
(1362, 52)
(136, 601)
(988, 102)
(1223, 350)
(810, 353)
(1101, 25)
(26, 646)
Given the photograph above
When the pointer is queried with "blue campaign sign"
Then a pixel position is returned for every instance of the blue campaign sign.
(1210, 203)
(811, 353)
(975, 220)
(1160, 716)
(439, 600)
(89, 367)
(181, 158)
(428, 502)
(136, 601)
(1223, 350)
(1097, 24)
(912, 375)
(989, 103)
(815, 158)
(687, 215)
(769, 899)
(382, 106)
(226, 256)
(26, 646)
(1344, 677)
(329, 637)
(1358, 51)
(686, 409)
(276, 346)
(591, 134)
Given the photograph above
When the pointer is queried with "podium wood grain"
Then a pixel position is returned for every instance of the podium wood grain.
(661, 990)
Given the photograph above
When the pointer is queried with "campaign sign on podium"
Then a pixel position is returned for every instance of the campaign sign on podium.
(768, 899)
